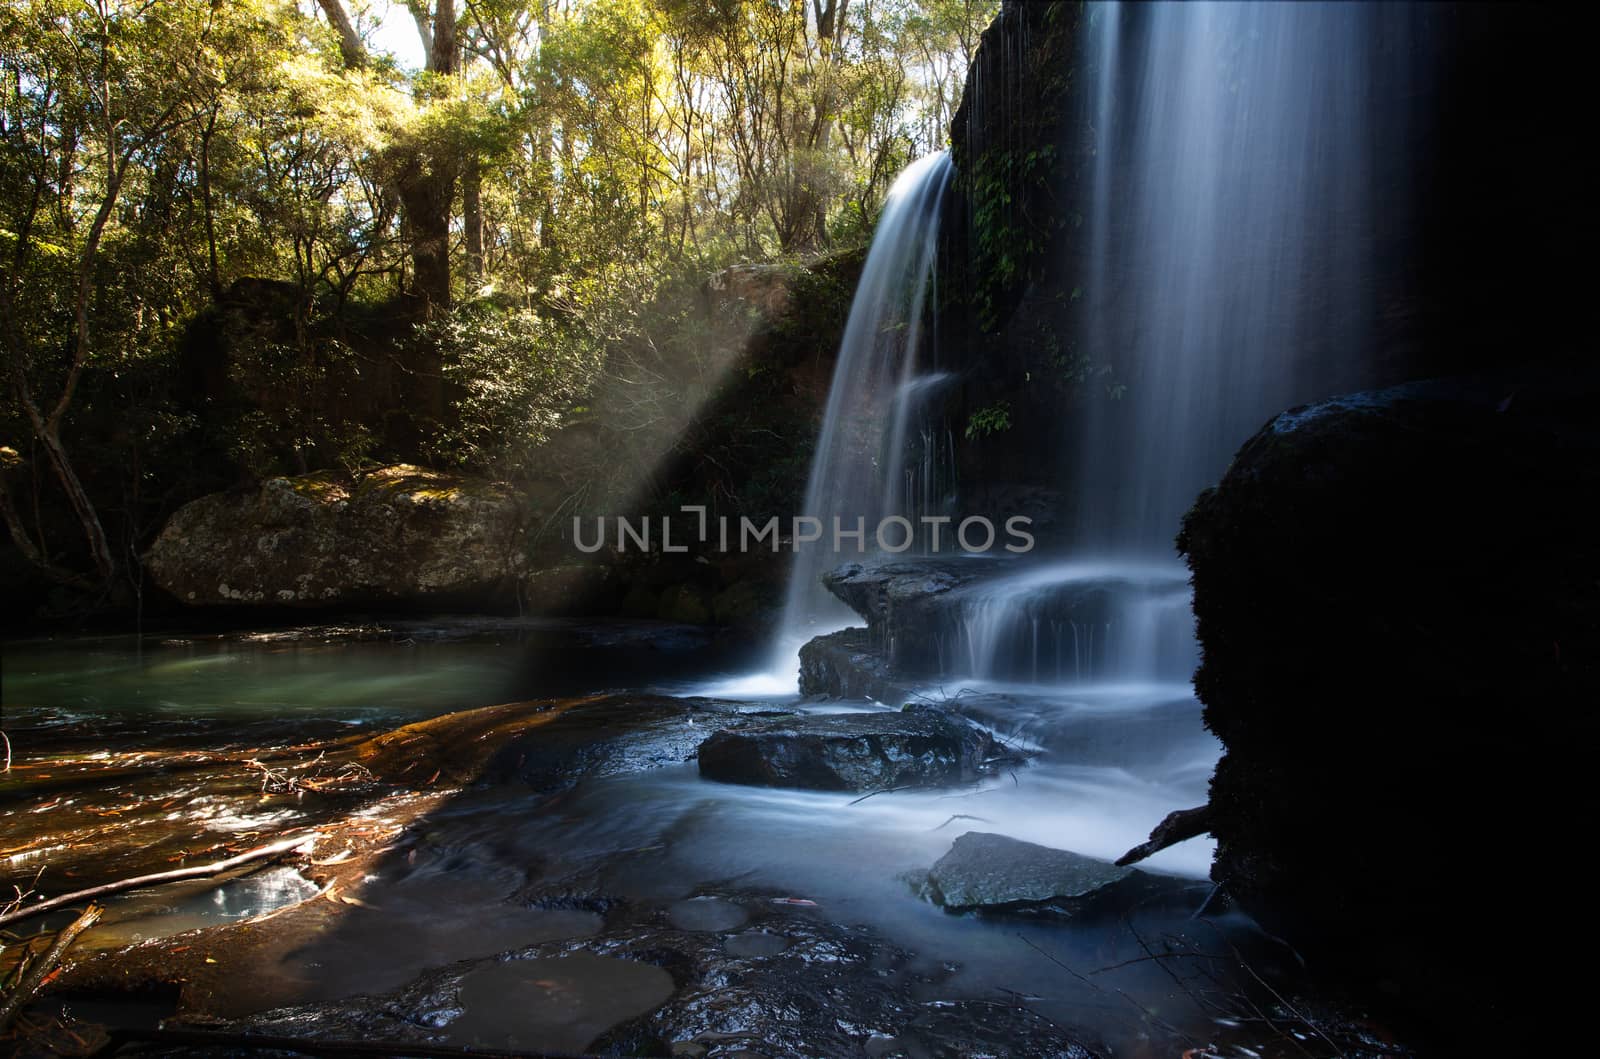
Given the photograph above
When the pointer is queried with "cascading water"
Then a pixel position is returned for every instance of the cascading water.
(1228, 221)
(1073, 623)
(1228, 227)
(877, 404)
(1229, 215)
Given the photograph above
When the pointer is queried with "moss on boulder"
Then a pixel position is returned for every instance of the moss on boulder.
(400, 534)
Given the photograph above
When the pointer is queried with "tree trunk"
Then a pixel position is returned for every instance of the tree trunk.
(29, 549)
(426, 187)
(94, 533)
(351, 50)
(214, 273)
(472, 217)
(442, 49)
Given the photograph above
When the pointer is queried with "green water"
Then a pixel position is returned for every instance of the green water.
(369, 675)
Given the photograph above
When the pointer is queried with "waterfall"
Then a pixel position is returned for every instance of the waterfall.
(1225, 274)
(1230, 223)
(1074, 622)
(876, 405)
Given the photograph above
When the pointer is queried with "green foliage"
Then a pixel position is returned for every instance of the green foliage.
(567, 180)
(991, 419)
(1009, 238)
(514, 377)
(297, 413)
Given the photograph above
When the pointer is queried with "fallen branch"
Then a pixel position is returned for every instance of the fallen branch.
(1149, 1016)
(40, 968)
(886, 790)
(961, 816)
(1177, 827)
(276, 849)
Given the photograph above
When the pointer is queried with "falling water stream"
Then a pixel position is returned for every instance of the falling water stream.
(881, 384)
(1227, 270)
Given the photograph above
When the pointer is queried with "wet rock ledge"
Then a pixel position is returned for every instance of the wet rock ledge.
(882, 750)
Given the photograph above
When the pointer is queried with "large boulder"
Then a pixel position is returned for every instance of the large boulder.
(397, 535)
(853, 751)
(1398, 602)
(908, 603)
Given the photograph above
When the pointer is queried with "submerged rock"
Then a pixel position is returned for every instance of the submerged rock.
(401, 533)
(808, 988)
(557, 1003)
(852, 751)
(986, 871)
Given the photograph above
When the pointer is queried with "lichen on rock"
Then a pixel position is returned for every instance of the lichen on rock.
(397, 534)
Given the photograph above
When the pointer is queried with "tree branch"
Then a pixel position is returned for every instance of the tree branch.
(351, 48)
(1177, 827)
(275, 849)
(39, 969)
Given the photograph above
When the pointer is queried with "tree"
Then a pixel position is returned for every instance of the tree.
(423, 165)
(92, 91)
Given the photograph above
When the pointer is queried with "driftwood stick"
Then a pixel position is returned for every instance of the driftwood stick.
(275, 849)
(1179, 825)
(40, 968)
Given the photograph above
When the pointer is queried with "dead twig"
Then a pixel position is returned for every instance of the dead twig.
(21, 895)
(283, 779)
(40, 968)
(1279, 997)
(1144, 1012)
(961, 816)
(275, 849)
(886, 790)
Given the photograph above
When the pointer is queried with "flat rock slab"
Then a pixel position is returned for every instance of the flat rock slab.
(561, 1002)
(993, 871)
(852, 751)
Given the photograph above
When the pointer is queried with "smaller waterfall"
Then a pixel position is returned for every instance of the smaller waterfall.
(877, 405)
(1073, 623)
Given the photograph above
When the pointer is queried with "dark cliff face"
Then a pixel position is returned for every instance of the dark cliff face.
(1008, 315)
(1015, 141)
(1398, 602)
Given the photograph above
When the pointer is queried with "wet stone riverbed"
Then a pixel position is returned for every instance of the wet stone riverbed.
(555, 875)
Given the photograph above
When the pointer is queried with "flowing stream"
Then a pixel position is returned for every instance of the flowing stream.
(658, 838)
